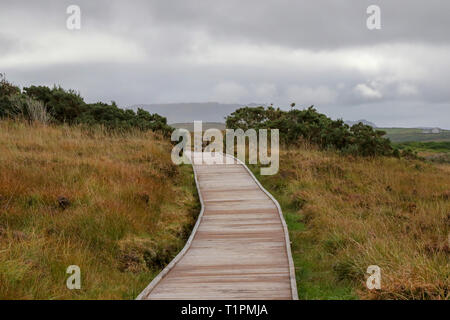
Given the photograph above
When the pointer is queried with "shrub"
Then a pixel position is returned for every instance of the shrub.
(314, 127)
(7, 92)
(64, 106)
(44, 104)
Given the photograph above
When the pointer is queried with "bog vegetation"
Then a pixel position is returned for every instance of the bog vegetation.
(345, 213)
(111, 203)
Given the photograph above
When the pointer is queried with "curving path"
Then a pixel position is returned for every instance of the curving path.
(239, 248)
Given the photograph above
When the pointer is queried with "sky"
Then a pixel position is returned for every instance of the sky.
(279, 51)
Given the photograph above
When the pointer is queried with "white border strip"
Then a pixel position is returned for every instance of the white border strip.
(286, 233)
(180, 255)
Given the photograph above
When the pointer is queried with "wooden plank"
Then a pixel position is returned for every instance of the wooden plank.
(239, 248)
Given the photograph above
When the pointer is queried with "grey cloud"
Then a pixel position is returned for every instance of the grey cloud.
(241, 51)
(312, 24)
(8, 44)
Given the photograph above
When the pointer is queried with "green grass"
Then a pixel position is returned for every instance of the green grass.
(433, 146)
(413, 134)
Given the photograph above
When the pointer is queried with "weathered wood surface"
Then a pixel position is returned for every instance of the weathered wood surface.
(239, 248)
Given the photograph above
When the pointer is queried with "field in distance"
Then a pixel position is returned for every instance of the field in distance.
(415, 134)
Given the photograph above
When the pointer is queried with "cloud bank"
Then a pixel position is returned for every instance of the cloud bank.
(279, 52)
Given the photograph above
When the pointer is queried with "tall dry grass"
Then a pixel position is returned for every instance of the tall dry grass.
(32, 110)
(347, 213)
(113, 204)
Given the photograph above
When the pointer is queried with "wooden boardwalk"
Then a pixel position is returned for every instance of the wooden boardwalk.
(239, 248)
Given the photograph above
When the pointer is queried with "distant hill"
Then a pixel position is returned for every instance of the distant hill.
(213, 112)
(205, 125)
(367, 123)
(188, 112)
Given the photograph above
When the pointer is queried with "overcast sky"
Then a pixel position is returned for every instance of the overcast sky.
(281, 51)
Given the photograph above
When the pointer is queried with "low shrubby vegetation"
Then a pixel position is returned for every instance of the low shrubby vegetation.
(434, 151)
(110, 202)
(345, 213)
(315, 128)
(59, 106)
(432, 146)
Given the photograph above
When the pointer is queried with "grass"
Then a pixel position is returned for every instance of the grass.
(435, 151)
(345, 213)
(432, 146)
(398, 135)
(113, 204)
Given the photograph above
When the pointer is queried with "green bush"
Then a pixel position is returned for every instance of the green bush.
(41, 103)
(314, 127)
(8, 92)
(64, 106)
